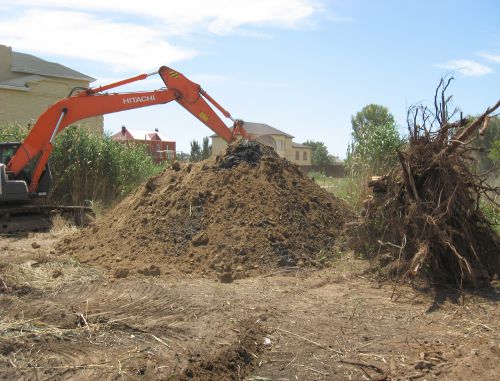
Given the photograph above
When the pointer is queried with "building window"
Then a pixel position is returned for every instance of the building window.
(297, 155)
(304, 156)
(280, 145)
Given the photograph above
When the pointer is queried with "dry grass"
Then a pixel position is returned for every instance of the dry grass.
(61, 226)
(45, 273)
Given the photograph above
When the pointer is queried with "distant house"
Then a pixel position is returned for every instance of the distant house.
(29, 85)
(279, 140)
(160, 148)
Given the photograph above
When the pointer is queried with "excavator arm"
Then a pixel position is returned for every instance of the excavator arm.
(86, 103)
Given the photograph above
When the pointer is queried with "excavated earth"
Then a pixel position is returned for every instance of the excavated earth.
(243, 213)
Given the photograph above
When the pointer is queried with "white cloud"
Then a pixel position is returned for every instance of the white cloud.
(137, 35)
(79, 35)
(491, 57)
(338, 19)
(467, 67)
(216, 16)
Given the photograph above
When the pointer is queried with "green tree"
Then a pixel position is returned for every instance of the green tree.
(201, 152)
(320, 155)
(374, 140)
(195, 151)
(206, 150)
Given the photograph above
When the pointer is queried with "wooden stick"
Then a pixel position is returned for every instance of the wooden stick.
(322, 346)
(4, 285)
(317, 371)
(86, 324)
(71, 366)
(161, 341)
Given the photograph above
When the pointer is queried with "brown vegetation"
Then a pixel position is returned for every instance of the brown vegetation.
(424, 218)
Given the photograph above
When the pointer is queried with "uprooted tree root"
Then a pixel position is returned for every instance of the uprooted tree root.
(424, 219)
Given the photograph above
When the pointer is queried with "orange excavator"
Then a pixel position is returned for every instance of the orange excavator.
(24, 171)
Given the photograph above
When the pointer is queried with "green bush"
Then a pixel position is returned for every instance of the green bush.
(492, 214)
(13, 133)
(87, 166)
(495, 152)
(375, 140)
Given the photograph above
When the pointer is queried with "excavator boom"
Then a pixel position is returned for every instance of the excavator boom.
(24, 173)
(37, 146)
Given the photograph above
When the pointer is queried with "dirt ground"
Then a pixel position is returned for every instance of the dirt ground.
(63, 320)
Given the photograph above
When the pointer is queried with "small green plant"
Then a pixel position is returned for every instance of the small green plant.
(317, 175)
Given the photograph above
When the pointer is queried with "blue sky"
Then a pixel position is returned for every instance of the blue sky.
(302, 66)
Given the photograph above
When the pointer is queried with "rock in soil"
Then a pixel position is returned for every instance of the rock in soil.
(121, 272)
(150, 271)
(226, 277)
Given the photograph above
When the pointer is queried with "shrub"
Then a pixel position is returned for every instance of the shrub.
(375, 140)
(86, 166)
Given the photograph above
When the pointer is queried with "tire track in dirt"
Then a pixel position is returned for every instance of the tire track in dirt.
(97, 325)
(140, 306)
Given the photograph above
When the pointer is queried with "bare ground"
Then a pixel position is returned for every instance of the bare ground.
(62, 320)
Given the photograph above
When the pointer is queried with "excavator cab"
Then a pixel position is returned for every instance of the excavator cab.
(7, 150)
(10, 190)
(16, 189)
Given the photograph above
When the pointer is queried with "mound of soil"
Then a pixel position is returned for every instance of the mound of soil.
(241, 213)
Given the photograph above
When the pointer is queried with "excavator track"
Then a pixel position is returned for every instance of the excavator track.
(38, 218)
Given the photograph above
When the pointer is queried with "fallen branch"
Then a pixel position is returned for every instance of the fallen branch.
(4, 288)
(365, 365)
(322, 346)
(161, 341)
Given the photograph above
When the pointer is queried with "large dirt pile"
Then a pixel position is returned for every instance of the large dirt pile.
(241, 213)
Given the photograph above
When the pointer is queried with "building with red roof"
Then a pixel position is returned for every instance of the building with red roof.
(158, 146)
